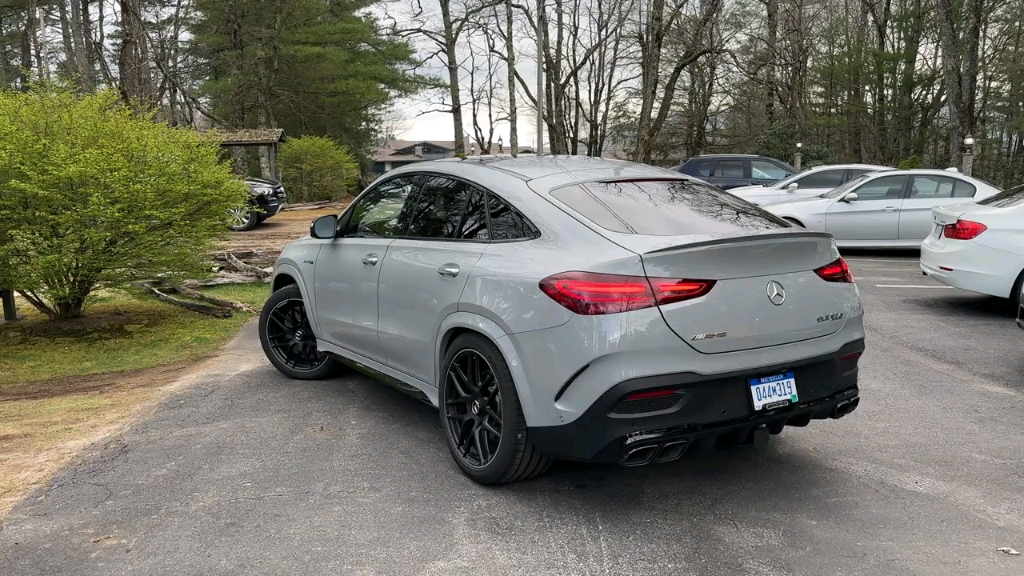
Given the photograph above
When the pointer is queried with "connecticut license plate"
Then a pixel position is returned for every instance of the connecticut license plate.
(938, 230)
(770, 392)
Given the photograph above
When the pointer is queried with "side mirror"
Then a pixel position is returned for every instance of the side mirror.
(792, 186)
(324, 227)
(850, 197)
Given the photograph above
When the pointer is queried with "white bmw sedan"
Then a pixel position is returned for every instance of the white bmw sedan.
(883, 209)
(979, 247)
(812, 182)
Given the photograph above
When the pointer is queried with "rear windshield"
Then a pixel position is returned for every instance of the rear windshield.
(1011, 197)
(665, 208)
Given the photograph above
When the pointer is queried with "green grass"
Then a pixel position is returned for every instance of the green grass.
(121, 331)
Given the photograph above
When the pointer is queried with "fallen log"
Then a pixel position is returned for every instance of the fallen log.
(224, 278)
(239, 266)
(223, 302)
(309, 205)
(218, 311)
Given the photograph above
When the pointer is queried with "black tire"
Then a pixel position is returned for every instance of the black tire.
(288, 339)
(514, 458)
(240, 220)
(794, 221)
(1015, 293)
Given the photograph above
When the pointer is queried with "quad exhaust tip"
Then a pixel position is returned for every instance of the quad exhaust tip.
(844, 408)
(642, 455)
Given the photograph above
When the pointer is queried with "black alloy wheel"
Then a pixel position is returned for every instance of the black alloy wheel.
(288, 339)
(482, 417)
(473, 408)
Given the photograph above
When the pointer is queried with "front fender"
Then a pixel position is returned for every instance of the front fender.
(490, 329)
(308, 296)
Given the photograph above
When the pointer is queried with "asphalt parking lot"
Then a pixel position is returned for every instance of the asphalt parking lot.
(246, 473)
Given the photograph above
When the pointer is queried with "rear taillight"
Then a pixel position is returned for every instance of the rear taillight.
(963, 230)
(836, 271)
(589, 293)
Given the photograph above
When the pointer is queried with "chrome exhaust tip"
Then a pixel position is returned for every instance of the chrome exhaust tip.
(840, 410)
(672, 451)
(639, 456)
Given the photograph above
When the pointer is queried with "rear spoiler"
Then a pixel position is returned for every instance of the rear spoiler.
(739, 239)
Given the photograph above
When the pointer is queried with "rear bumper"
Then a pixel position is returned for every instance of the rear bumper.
(709, 409)
(969, 266)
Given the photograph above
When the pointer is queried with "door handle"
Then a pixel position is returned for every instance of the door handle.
(448, 271)
(370, 260)
(890, 208)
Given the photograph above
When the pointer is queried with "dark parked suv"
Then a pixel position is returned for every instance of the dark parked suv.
(266, 198)
(732, 170)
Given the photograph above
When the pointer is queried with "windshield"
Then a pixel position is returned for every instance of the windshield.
(837, 192)
(1012, 197)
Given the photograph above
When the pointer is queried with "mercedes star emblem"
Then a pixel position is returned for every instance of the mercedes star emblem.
(776, 293)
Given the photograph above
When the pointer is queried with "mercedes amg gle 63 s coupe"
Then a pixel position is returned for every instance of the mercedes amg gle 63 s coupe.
(572, 308)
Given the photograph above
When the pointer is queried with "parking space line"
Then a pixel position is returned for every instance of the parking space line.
(912, 286)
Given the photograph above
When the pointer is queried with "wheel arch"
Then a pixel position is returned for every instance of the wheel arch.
(287, 275)
(459, 323)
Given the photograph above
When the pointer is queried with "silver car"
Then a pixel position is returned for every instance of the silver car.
(812, 182)
(883, 209)
(572, 308)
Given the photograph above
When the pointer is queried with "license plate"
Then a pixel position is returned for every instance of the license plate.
(938, 230)
(770, 392)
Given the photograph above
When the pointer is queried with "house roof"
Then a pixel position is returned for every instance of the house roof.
(249, 136)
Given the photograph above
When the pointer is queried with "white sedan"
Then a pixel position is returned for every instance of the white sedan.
(883, 209)
(812, 182)
(979, 247)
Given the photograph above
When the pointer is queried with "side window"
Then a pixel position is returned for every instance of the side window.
(884, 188)
(931, 187)
(856, 173)
(765, 170)
(378, 212)
(506, 223)
(729, 169)
(964, 190)
(437, 211)
(698, 168)
(823, 179)
(474, 217)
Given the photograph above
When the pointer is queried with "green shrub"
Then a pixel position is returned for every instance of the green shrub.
(316, 168)
(911, 163)
(94, 195)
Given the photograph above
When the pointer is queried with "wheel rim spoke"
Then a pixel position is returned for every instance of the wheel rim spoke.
(472, 408)
(290, 337)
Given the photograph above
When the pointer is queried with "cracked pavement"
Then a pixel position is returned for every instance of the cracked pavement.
(245, 472)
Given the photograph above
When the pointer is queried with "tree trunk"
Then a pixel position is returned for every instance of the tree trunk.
(772, 9)
(81, 39)
(452, 64)
(27, 41)
(136, 80)
(510, 60)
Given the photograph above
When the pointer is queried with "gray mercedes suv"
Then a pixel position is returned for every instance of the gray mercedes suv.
(572, 308)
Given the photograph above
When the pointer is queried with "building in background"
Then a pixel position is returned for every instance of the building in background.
(397, 153)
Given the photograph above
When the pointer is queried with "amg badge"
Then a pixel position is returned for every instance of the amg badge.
(709, 336)
(831, 317)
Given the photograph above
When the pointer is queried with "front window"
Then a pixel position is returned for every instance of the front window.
(665, 208)
(884, 188)
(839, 191)
(378, 212)
(821, 179)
